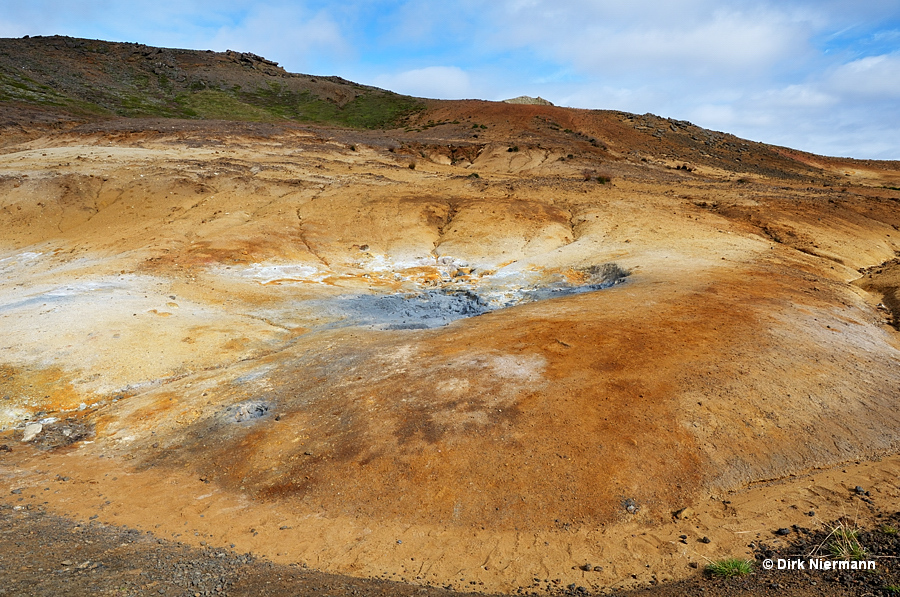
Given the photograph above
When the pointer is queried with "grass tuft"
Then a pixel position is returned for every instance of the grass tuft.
(729, 567)
(844, 543)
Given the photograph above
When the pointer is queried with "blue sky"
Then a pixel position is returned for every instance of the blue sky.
(817, 75)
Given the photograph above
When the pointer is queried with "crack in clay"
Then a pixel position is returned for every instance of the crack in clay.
(306, 243)
(452, 210)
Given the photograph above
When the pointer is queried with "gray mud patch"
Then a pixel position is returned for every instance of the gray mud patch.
(413, 311)
(436, 308)
(246, 411)
(598, 277)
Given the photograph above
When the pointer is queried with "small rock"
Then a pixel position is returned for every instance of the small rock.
(811, 513)
(684, 514)
(598, 568)
(5, 448)
(693, 564)
(31, 431)
(783, 531)
(859, 490)
(705, 540)
(586, 567)
(67, 562)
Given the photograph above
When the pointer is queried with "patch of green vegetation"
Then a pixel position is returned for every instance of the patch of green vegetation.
(220, 105)
(164, 83)
(144, 105)
(367, 110)
(81, 106)
(142, 80)
(888, 529)
(11, 85)
(379, 111)
(432, 123)
(729, 567)
(845, 544)
(23, 89)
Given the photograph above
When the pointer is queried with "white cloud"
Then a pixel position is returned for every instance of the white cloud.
(692, 37)
(446, 82)
(876, 77)
(806, 97)
(8, 29)
(286, 34)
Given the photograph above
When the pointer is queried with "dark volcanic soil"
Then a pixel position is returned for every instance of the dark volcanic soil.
(49, 555)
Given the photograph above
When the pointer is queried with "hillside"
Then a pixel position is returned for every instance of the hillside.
(89, 77)
(468, 344)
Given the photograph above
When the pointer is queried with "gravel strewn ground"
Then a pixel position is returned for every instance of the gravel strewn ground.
(47, 555)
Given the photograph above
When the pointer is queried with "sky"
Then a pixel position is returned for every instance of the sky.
(818, 75)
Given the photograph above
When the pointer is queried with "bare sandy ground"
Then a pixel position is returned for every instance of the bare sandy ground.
(195, 320)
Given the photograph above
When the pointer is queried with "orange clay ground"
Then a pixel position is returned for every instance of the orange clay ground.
(174, 306)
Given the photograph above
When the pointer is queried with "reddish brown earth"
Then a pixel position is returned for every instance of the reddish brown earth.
(165, 282)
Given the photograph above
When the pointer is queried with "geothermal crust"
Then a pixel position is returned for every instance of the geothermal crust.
(428, 357)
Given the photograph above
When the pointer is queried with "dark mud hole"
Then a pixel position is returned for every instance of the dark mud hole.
(436, 308)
